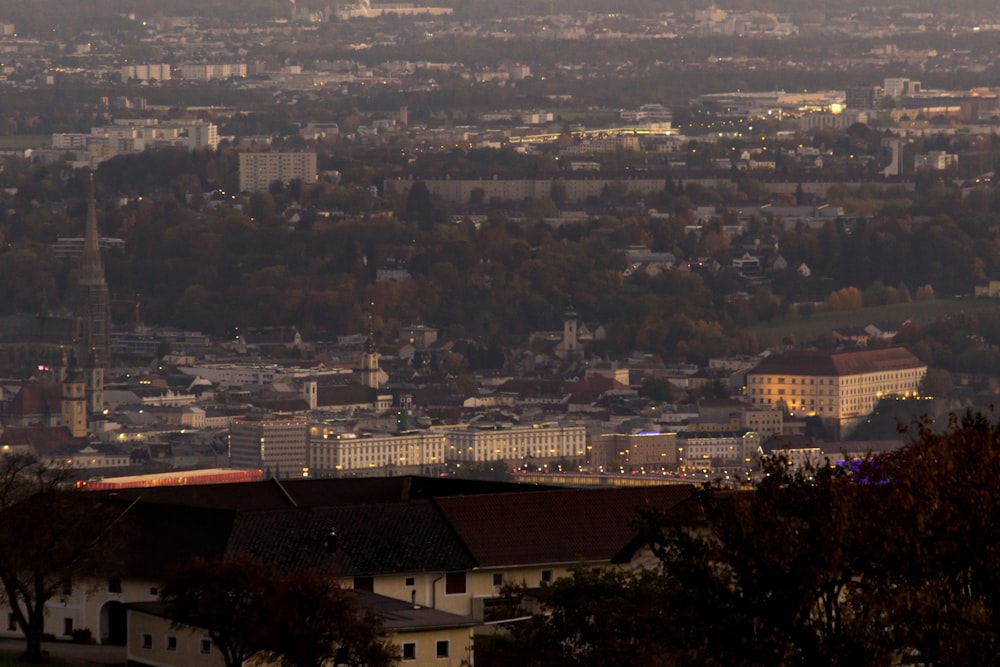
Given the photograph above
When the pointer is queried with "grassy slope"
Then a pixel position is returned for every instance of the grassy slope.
(804, 329)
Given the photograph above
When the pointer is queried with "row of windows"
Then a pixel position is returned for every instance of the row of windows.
(442, 649)
(170, 643)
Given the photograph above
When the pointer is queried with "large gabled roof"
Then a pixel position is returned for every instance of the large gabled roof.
(554, 527)
(836, 364)
(390, 527)
(354, 540)
(274, 494)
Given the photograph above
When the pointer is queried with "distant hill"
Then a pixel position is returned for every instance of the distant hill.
(38, 16)
(42, 16)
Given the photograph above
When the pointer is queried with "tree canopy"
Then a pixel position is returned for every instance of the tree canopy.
(882, 561)
(301, 618)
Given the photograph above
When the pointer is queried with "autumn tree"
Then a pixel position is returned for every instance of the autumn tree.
(301, 618)
(51, 538)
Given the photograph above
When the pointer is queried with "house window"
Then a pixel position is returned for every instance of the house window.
(11, 622)
(206, 645)
(67, 626)
(115, 585)
(410, 581)
(547, 576)
(171, 643)
(364, 584)
(454, 583)
(442, 648)
(409, 651)
(498, 578)
(153, 590)
(147, 640)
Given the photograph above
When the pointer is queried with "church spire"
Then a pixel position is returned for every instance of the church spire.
(93, 308)
(93, 267)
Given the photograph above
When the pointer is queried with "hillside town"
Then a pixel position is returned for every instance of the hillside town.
(387, 333)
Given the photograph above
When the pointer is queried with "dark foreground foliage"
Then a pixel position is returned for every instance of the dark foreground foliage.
(893, 560)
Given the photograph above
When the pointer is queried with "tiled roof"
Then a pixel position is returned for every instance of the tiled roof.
(398, 616)
(347, 394)
(167, 536)
(37, 399)
(553, 527)
(370, 539)
(838, 363)
(271, 494)
(422, 534)
(45, 440)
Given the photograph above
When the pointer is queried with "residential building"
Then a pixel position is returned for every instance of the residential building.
(147, 72)
(842, 388)
(209, 71)
(862, 97)
(935, 160)
(427, 543)
(259, 170)
(897, 87)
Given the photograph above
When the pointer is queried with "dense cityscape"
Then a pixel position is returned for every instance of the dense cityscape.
(366, 333)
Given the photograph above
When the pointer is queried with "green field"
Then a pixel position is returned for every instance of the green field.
(810, 327)
(22, 141)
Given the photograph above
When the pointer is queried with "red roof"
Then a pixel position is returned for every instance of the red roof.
(554, 526)
(37, 399)
(838, 363)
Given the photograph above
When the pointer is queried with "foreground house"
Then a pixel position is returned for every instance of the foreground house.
(428, 553)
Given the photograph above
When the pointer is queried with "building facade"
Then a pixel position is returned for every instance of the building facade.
(842, 388)
(259, 170)
(276, 445)
(333, 454)
(546, 442)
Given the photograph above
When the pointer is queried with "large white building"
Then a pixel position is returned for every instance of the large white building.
(841, 388)
(135, 136)
(259, 170)
(545, 442)
(209, 71)
(419, 452)
(276, 445)
(147, 72)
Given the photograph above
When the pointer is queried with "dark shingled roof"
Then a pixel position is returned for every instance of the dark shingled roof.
(554, 527)
(347, 394)
(415, 525)
(397, 616)
(168, 536)
(837, 363)
(370, 539)
(271, 494)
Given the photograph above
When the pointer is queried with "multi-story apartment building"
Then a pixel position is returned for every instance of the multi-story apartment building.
(841, 388)
(209, 71)
(537, 442)
(259, 170)
(275, 445)
(147, 72)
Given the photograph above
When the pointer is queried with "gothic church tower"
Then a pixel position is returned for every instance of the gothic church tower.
(92, 326)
